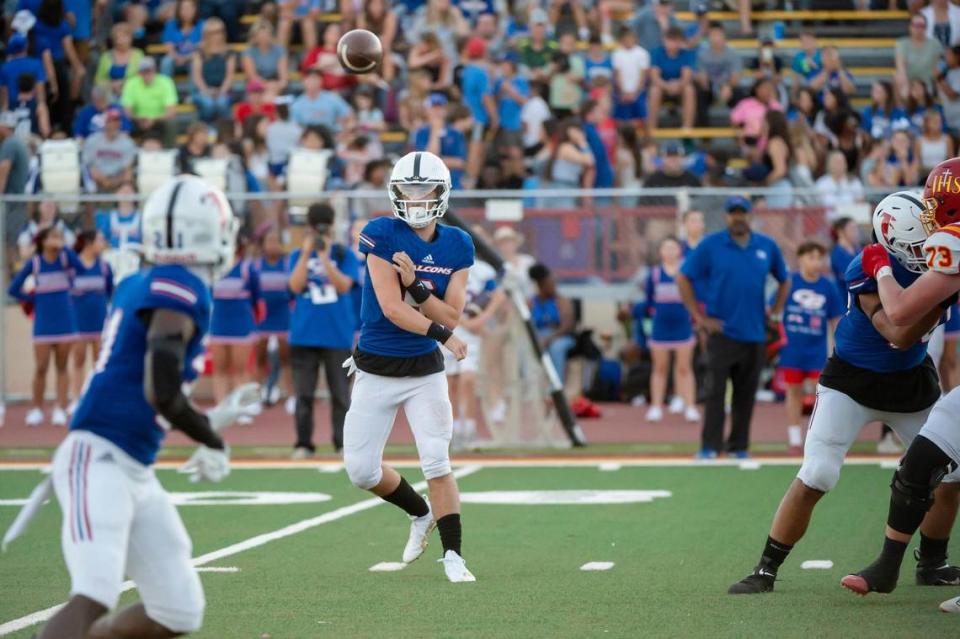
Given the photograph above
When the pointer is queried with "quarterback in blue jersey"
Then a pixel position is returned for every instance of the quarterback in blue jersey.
(413, 298)
(117, 519)
(879, 372)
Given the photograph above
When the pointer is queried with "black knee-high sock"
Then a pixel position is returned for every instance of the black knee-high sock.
(450, 532)
(774, 554)
(932, 551)
(406, 498)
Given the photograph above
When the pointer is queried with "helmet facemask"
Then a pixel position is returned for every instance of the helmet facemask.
(419, 203)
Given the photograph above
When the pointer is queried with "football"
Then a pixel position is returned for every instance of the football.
(359, 51)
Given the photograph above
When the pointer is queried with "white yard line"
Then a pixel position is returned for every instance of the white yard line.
(519, 462)
(254, 542)
(217, 569)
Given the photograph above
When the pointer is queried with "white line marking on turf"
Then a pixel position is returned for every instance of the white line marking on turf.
(596, 565)
(817, 564)
(330, 468)
(254, 542)
(217, 569)
(388, 566)
(749, 465)
(890, 464)
(609, 467)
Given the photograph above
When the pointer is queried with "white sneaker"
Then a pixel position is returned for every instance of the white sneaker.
(34, 417)
(420, 529)
(301, 453)
(638, 401)
(58, 417)
(888, 445)
(691, 414)
(951, 605)
(676, 406)
(498, 412)
(290, 405)
(456, 568)
(654, 414)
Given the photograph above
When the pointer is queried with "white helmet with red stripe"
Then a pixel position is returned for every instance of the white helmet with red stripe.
(189, 222)
(419, 188)
(899, 227)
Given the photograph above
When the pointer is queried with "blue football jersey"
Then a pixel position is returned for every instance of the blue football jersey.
(806, 316)
(113, 404)
(858, 342)
(451, 250)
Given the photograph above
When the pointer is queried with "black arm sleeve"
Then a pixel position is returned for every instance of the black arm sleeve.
(162, 385)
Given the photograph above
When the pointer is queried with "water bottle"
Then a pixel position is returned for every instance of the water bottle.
(778, 30)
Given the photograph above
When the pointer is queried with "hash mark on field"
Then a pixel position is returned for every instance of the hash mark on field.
(388, 566)
(609, 467)
(749, 465)
(817, 564)
(596, 566)
(890, 464)
(259, 540)
(217, 569)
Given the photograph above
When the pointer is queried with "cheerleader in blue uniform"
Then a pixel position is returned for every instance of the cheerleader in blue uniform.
(672, 332)
(236, 298)
(54, 326)
(92, 289)
(273, 267)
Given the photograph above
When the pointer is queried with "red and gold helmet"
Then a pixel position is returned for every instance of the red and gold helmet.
(941, 196)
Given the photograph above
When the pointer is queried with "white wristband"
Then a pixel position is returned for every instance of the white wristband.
(884, 271)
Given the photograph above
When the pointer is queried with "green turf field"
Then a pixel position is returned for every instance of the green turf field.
(673, 559)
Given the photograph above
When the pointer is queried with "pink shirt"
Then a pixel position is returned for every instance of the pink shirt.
(749, 113)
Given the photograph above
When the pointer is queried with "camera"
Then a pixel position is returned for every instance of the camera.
(320, 219)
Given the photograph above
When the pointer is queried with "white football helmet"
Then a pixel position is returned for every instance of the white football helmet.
(899, 228)
(419, 188)
(189, 222)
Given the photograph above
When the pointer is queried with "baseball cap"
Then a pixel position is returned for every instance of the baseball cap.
(147, 64)
(539, 16)
(16, 44)
(673, 148)
(737, 203)
(254, 85)
(23, 21)
(476, 47)
(435, 99)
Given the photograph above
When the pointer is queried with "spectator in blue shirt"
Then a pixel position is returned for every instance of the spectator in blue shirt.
(54, 44)
(671, 78)
(597, 62)
(511, 91)
(833, 75)
(91, 118)
(883, 116)
(19, 63)
(736, 263)
(807, 62)
(593, 114)
(476, 85)
(181, 36)
(441, 139)
(80, 16)
(316, 106)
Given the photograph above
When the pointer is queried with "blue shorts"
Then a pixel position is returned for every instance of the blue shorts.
(636, 110)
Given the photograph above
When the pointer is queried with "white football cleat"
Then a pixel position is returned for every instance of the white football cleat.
(420, 529)
(654, 414)
(951, 605)
(676, 405)
(34, 417)
(58, 417)
(456, 568)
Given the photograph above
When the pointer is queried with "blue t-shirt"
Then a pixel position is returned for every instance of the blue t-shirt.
(81, 9)
(671, 68)
(475, 85)
(327, 108)
(806, 316)
(50, 37)
(13, 68)
(507, 108)
(453, 144)
(858, 342)
(700, 289)
(275, 293)
(322, 317)
(114, 406)
(671, 321)
(603, 176)
(881, 125)
(594, 69)
(451, 250)
(89, 120)
(736, 278)
(184, 44)
(804, 66)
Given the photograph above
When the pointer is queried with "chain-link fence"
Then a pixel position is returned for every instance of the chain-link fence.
(595, 241)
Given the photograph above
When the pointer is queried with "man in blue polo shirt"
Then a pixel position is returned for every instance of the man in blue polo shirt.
(671, 78)
(735, 264)
(321, 324)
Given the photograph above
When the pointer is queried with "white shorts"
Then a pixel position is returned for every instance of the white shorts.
(836, 423)
(118, 520)
(373, 411)
(943, 425)
(470, 363)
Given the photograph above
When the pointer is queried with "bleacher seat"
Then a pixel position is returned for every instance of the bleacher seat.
(214, 171)
(154, 168)
(307, 173)
(60, 171)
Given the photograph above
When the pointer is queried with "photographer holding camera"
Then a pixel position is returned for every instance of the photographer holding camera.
(321, 324)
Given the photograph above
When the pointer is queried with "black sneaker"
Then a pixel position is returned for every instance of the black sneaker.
(761, 580)
(937, 574)
(876, 577)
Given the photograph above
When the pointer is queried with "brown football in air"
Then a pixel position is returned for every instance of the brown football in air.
(359, 51)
